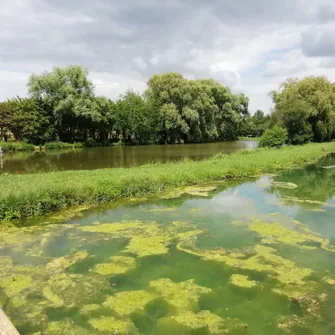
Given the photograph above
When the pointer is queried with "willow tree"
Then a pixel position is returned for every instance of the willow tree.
(306, 108)
(194, 110)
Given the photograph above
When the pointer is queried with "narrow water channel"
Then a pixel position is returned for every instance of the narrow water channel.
(255, 257)
(112, 157)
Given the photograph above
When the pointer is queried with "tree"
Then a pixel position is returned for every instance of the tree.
(6, 115)
(306, 108)
(70, 96)
(30, 122)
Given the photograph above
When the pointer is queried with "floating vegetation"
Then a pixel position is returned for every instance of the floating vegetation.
(242, 281)
(183, 296)
(88, 309)
(329, 280)
(62, 263)
(159, 210)
(329, 167)
(112, 326)
(54, 298)
(294, 200)
(128, 302)
(149, 246)
(15, 284)
(67, 327)
(289, 186)
(199, 191)
(208, 321)
(275, 232)
(117, 265)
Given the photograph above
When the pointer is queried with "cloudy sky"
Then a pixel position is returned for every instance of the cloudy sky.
(249, 45)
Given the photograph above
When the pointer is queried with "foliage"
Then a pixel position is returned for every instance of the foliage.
(254, 125)
(16, 146)
(306, 108)
(61, 145)
(275, 137)
(37, 194)
(194, 110)
(6, 114)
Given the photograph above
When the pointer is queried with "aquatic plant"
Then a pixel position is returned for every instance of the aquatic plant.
(207, 320)
(116, 265)
(275, 232)
(112, 325)
(242, 281)
(290, 186)
(128, 302)
(183, 296)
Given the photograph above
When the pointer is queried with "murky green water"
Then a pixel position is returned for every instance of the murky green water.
(127, 156)
(255, 258)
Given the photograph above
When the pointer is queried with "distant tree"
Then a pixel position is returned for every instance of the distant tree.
(70, 96)
(30, 122)
(6, 115)
(306, 108)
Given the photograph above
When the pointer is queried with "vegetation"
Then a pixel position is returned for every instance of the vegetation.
(16, 146)
(255, 125)
(273, 138)
(32, 195)
(306, 108)
(62, 106)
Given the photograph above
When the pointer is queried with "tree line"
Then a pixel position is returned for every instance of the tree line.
(62, 106)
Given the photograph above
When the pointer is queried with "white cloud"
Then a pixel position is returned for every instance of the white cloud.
(251, 46)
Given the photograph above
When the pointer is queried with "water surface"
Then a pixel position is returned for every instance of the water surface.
(251, 258)
(111, 157)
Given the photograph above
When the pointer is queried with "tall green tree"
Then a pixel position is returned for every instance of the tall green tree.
(306, 108)
(6, 115)
(70, 96)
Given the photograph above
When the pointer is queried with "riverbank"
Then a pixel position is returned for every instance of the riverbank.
(37, 194)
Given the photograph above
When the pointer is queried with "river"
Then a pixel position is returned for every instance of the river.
(111, 157)
(254, 257)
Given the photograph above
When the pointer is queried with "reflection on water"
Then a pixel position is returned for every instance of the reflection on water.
(127, 156)
(235, 259)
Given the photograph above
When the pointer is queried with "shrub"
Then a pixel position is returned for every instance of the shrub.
(16, 146)
(58, 145)
(275, 137)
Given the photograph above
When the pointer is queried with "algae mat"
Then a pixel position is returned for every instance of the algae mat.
(222, 259)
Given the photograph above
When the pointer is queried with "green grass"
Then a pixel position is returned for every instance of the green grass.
(37, 194)
(16, 146)
(61, 145)
(244, 138)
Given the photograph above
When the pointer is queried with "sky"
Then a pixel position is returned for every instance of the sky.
(252, 46)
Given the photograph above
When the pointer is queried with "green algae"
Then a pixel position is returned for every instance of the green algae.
(329, 281)
(242, 281)
(183, 296)
(66, 327)
(162, 210)
(260, 258)
(116, 265)
(128, 302)
(112, 325)
(54, 298)
(88, 309)
(200, 191)
(149, 246)
(275, 232)
(62, 263)
(15, 284)
(290, 186)
(207, 320)
(294, 200)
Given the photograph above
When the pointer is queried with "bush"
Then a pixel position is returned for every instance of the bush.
(90, 142)
(275, 137)
(16, 146)
(58, 145)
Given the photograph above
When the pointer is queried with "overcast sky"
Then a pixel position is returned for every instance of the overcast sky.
(249, 45)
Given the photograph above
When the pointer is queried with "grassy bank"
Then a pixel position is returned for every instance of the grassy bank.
(32, 195)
